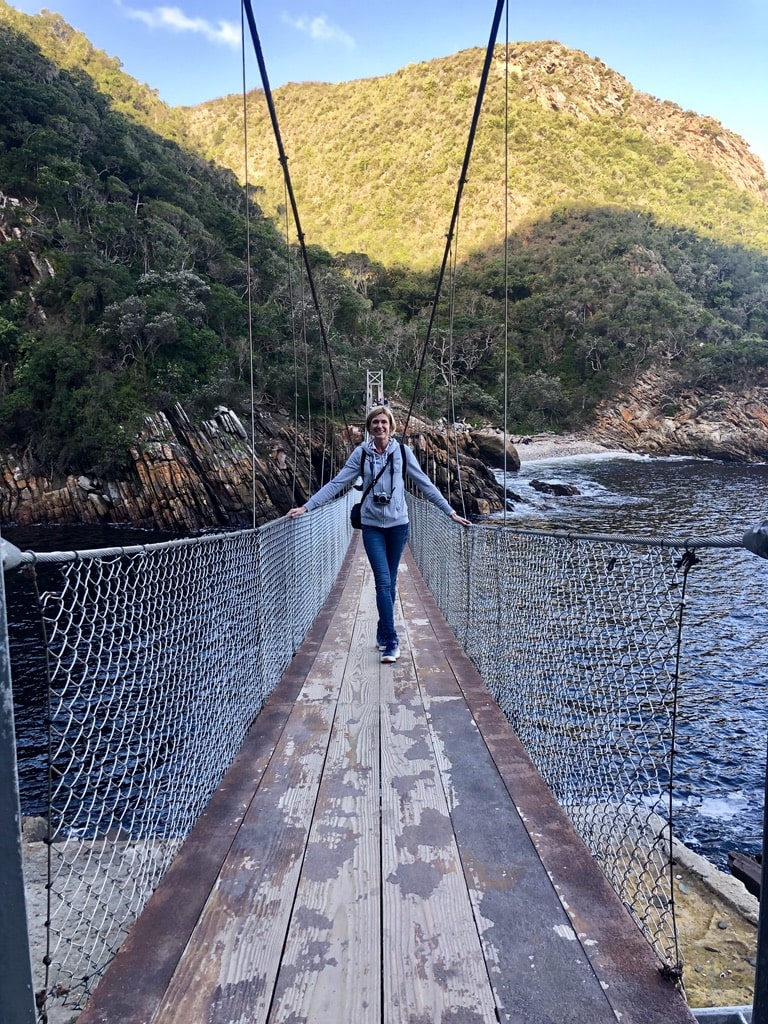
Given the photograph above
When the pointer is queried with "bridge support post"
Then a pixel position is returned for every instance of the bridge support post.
(374, 389)
(16, 993)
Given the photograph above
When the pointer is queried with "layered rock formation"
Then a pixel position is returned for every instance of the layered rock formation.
(659, 415)
(186, 477)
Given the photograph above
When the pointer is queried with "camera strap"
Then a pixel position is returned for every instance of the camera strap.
(375, 480)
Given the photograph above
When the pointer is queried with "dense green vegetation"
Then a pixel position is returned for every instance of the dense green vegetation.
(124, 283)
(123, 276)
(375, 163)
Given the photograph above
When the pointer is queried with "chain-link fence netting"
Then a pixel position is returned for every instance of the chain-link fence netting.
(578, 639)
(159, 658)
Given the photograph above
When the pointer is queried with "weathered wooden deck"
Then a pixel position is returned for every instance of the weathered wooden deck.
(383, 851)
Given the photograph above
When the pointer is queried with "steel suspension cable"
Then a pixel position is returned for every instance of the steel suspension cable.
(506, 254)
(283, 158)
(457, 202)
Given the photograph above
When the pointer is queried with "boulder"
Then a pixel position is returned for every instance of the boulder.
(493, 449)
(560, 490)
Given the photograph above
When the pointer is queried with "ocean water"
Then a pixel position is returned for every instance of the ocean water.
(723, 707)
(26, 643)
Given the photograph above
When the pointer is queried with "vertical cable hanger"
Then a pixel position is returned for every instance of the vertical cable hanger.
(248, 286)
(283, 158)
(506, 253)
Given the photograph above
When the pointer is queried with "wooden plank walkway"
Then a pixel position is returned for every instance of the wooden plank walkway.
(383, 852)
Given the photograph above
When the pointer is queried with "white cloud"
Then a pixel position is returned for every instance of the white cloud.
(320, 28)
(174, 19)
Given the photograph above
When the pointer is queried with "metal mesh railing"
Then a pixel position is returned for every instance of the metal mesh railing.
(578, 639)
(159, 659)
(161, 656)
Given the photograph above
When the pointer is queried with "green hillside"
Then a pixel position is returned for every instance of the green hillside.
(637, 238)
(375, 163)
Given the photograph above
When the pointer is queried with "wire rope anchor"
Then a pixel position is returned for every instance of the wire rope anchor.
(10, 555)
(756, 539)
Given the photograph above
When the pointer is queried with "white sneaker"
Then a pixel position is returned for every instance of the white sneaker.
(391, 653)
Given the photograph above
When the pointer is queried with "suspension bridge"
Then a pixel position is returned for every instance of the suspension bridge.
(252, 819)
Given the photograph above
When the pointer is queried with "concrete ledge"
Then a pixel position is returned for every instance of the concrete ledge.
(726, 885)
(724, 1015)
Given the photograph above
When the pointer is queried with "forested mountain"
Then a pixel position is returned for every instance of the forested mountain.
(375, 162)
(638, 237)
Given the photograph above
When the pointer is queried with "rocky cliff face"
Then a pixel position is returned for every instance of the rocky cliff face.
(565, 80)
(187, 477)
(659, 415)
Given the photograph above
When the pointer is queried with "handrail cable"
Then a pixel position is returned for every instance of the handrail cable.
(248, 277)
(283, 158)
(457, 202)
(14, 557)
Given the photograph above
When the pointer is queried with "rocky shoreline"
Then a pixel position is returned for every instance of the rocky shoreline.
(187, 476)
(661, 414)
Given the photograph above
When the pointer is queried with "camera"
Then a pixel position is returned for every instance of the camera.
(381, 499)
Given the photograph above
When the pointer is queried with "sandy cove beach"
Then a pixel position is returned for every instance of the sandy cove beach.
(531, 448)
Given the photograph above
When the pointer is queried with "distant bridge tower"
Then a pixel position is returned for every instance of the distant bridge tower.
(374, 390)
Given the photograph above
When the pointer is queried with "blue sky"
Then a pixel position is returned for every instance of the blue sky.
(708, 56)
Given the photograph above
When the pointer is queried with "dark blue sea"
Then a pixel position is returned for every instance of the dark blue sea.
(26, 642)
(723, 707)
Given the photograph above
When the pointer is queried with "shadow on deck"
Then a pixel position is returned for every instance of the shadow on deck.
(382, 850)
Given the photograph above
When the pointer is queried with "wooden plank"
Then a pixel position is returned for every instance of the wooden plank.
(361, 677)
(331, 965)
(227, 972)
(512, 897)
(433, 967)
(295, 676)
(748, 870)
(618, 954)
(322, 682)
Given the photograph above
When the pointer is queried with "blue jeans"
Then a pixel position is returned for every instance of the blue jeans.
(384, 546)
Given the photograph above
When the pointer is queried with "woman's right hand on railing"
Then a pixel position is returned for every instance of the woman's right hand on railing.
(292, 513)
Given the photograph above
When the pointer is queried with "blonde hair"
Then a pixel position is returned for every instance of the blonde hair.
(377, 410)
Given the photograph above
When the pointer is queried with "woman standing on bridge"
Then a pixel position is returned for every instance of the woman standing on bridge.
(384, 512)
